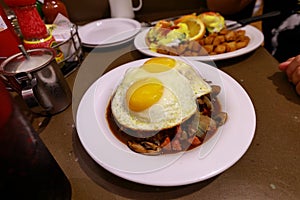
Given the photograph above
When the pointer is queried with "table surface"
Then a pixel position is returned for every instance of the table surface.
(268, 170)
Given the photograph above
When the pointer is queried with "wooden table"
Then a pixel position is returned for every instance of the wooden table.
(268, 170)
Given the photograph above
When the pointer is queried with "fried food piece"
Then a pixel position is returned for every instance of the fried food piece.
(230, 46)
(240, 32)
(220, 49)
(219, 40)
(209, 40)
(181, 48)
(209, 48)
(242, 41)
(162, 49)
(203, 52)
(223, 31)
(195, 46)
(242, 44)
(173, 51)
(188, 53)
(230, 36)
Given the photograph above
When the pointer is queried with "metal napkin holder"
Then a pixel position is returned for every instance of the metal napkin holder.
(74, 59)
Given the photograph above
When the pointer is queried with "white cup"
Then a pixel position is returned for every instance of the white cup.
(123, 8)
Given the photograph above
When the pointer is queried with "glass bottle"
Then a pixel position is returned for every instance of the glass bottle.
(31, 24)
(52, 8)
(8, 38)
(39, 6)
(27, 168)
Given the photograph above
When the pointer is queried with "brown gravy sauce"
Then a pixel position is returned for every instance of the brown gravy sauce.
(124, 137)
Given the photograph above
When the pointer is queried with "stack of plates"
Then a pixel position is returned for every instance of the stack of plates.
(108, 32)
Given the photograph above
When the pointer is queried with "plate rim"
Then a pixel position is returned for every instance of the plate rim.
(140, 178)
(140, 45)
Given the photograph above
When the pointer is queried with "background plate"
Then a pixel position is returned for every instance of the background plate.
(256, 39)
(108, 32)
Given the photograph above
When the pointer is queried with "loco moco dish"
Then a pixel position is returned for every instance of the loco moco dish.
(164, 106)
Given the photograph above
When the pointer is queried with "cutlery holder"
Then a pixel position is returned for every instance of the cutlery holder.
(69, 42)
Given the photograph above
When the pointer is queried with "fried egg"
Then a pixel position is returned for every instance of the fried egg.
(198, 85)
(158, 95)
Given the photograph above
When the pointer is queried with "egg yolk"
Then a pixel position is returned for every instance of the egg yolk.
(144, 93)
(159, 64)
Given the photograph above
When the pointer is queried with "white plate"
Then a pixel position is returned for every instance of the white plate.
(256, 39)
(108, 32)
(216, 155)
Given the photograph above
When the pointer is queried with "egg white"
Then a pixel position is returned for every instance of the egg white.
(182, 86)
(198, 85)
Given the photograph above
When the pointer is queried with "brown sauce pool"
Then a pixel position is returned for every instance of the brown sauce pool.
(122, 134)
